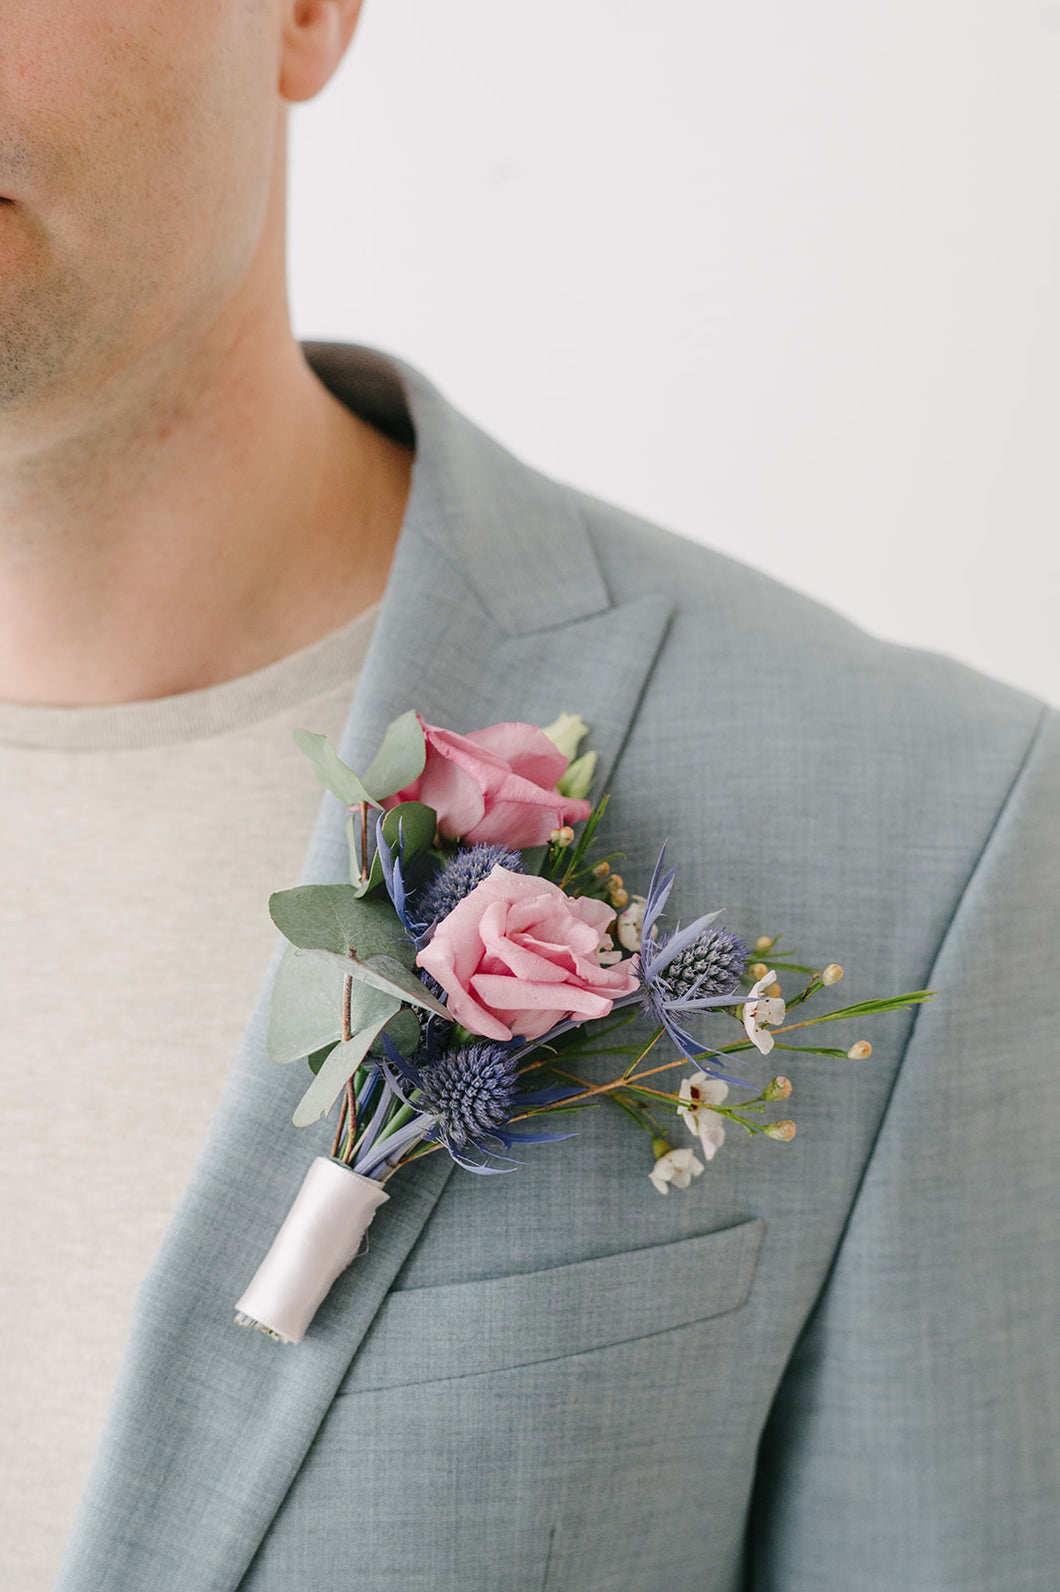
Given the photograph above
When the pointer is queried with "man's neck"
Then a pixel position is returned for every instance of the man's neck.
(203, 522)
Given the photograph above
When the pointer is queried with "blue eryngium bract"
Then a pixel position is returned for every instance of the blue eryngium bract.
(695, 969)
(472, 1094)
(459, 877)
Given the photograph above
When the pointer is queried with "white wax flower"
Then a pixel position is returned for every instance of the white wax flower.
(678, 1167)
(759, 1009)
(629, 923)
(699, 1094)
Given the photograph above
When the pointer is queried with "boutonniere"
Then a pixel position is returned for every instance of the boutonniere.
(446, 997)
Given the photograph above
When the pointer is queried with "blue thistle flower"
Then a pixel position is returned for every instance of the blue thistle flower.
(690, 970)
(472, 1093)
(711, 965)
(460, 876)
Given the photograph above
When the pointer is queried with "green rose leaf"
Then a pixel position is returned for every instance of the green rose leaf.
(335, 917)
(372, 1011)
(331, 771)
(400, 758)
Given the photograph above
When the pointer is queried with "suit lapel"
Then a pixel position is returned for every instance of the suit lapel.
(495, 609)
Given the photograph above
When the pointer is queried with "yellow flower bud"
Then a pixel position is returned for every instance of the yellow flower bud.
(764, 942)
(859, 1051)
(774, 989)
(758, 970)
(601, 870)
(832, 973)
(777, 1089)
(562, 837)
(620, 899)
(784, 1131)
(617, 882)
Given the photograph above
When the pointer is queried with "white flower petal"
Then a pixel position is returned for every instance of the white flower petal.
(678, 1167)
(711, 1131)
(760, 1008)
(629, 923)
(763, 1039)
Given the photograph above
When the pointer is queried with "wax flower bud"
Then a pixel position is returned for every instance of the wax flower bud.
(764, 943)
(629, 923)
(832, 973)
(784, 1131)
(562, 837)
(860, 1051)
(777, 1089)
(758, 970)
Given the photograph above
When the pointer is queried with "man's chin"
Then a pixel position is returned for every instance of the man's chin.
(40, 326)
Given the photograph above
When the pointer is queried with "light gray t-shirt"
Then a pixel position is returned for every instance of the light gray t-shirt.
(140, 844)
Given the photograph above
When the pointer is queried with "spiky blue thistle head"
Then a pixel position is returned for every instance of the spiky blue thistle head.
(460, 876)
(474, 1091)
(687, 972)
(711, 965)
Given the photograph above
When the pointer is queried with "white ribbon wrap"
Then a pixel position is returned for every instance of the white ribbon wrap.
(320, 1235)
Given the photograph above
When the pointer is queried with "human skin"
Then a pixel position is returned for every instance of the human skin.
(180, 499)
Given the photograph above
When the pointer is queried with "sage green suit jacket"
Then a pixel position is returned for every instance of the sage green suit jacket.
(831, 1364)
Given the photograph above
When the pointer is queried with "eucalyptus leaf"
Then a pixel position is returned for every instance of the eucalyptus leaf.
(403, 1029)
(335, 917)
(416, 824)
(383, 973)
(306, 1010)
(374, 1009)
(319, 1057)
(331, 771)
(399, 760)
(396, 976)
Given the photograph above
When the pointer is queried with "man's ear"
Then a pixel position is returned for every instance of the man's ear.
(315, 36)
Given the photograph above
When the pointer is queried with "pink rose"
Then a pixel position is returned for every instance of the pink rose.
(495, 786)
(517, 956)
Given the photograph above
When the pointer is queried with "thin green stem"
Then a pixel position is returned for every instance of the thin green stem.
(642, 1117)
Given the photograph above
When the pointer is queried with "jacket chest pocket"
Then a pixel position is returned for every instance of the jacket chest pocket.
(464, 1329)
(574, 1427)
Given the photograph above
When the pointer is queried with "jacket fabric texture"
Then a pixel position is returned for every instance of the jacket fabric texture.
(827, 1365)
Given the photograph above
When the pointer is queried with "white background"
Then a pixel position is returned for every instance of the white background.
(783, 275)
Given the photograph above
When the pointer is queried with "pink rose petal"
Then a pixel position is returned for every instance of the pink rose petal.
(518, 956)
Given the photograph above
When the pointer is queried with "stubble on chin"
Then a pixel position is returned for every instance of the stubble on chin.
(42, 322)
